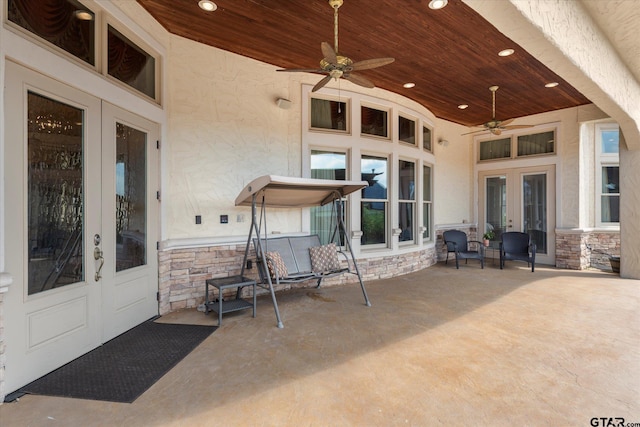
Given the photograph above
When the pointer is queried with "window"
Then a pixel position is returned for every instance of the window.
(130, 64)
(538, 143)
(330, 115)
(373, 215)
(406, 130)
(374, 122)
(407, 200)
(427, 203)
(495, 149)
(426, 139)
(326, 165)
(607, 174)
(66, 24)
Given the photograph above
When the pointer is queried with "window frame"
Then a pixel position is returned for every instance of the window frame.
(413, 202)
(386, 137)
(386, 201)
(416, 137)
(603, 160)
(329, 98)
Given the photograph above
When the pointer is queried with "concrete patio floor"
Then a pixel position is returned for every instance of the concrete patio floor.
(437, 347)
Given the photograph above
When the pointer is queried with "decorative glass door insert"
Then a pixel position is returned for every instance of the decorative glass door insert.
(55, 194)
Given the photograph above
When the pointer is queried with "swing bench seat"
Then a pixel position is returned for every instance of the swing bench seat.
(296, 259)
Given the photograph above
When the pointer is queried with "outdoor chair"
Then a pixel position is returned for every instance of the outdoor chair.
(457, 243)
(517, 246)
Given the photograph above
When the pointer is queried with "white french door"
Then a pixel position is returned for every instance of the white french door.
(81, 220)
(520, 199)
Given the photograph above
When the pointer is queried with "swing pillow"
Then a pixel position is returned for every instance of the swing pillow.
(277, 267)
(324, 258)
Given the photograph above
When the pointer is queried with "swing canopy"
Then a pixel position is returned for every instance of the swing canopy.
(288, 192)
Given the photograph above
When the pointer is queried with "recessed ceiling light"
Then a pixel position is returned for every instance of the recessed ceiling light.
(552, 84)
(409, 85)
(506, 52)
(207, 5)
(83, 15)
(437, 4)
(463, 106)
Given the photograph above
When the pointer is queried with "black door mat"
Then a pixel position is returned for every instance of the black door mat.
(125, 367)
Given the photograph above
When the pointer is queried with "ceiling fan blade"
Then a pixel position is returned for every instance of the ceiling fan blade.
(516, 126)
(368, 64)
(302, 70)
(496, 131)
(475, 131)
(328, 53)
(321, 84)
(360, 81)
(506, 122)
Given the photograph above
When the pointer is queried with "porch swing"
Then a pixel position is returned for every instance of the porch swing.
(298, 258)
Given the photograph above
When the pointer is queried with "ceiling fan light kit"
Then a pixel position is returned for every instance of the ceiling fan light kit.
(338, 66)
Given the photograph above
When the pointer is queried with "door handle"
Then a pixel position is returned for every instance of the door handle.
(98, 255)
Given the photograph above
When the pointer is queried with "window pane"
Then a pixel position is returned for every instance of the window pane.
(540, 143)
(426, 183)
(131, 197)
(326, 165)
(407, 183)
(496, 205)
(426, 221)
(373, 220)
(374, 171)
(610, 179)
(373, 217)
(610, 208)
(610, 141)
(406, 130)
(327, 114)
(130, 64)
(56, 200)
(496, 149)
(374, 122)
(426, 198)
(405, 215)
(426, 138)
(64, 23)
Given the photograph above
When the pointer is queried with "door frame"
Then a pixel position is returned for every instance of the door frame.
(514, 182)
(29, 355)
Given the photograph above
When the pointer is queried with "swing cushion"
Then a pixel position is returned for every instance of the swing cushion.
(276, 265)
(324, 258)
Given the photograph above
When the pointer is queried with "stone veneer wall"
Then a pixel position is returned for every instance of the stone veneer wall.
(183, 272)
(581, 249)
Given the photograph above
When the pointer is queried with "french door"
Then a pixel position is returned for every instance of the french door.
(520, 199)
(81, 222)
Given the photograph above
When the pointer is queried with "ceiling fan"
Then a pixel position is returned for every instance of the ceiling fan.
(338, 66)
(497, 126)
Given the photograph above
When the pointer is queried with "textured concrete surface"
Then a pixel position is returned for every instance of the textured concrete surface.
(438, 347)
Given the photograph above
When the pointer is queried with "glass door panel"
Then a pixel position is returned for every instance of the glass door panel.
(131, 192)
(55, 194)
(534, 209)
(496, 205)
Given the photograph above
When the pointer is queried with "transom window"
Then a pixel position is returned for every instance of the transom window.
(329, 115)
(71, 27)
(374, 122)
(518, 146)
(406, 130)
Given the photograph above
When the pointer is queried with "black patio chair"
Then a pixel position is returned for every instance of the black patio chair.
(457, 243)
(517, 246)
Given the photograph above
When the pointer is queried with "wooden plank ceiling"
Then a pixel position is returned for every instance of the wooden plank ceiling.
(450, 54)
